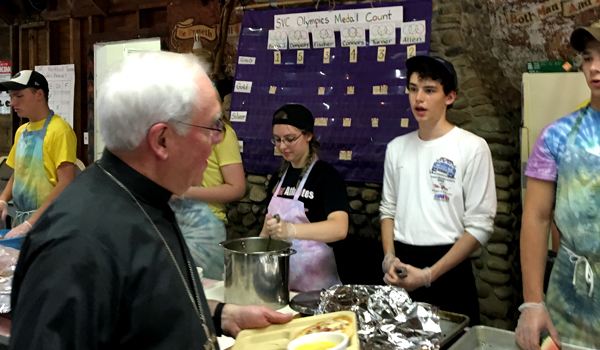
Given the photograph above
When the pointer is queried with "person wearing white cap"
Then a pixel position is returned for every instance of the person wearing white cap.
(43, 155)
(563, 174)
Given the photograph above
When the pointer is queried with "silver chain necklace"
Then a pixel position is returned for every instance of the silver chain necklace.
(211, 338)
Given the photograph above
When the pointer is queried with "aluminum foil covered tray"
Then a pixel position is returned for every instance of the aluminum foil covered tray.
(387, 317)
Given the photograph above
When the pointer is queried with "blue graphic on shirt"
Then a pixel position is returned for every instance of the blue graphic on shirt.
(444, 166)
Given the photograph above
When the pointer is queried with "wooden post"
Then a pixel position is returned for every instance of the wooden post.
(75, 59)
(48, 34)
(33, 47)
(15, 67)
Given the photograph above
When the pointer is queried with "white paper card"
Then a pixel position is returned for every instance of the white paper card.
(382, 34)
(298, 39)
(246, 60)
(413, 32)
(278, 40)
(323, 37)
(353, 36)
(243, 86)
(238, 116)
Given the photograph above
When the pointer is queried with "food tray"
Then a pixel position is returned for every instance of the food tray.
(277, 337)
(452, 325)
(482, 337)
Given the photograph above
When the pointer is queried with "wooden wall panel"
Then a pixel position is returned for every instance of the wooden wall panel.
(67, 35)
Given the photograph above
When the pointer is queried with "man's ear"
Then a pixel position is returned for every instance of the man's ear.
(157, 140)
(39, 94)
(450, 98)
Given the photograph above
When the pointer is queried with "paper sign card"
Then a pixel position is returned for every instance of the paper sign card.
(272, 89)
(323, 37)
(350, 90)
(298, 39)
(375, 122)
(243, 86)
(345, 155)
(411, 51)
(376, 89)
(412, 32)
(321, 90)
(238, 116)
(353, 36)
(320, 121)
(61, 84)
(404, 122)
(278, 40)
(347, 122)
(246, 60)
(382, 34)
(241, 145)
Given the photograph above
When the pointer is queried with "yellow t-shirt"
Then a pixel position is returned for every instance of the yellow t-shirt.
(60, 145)
(224, 153)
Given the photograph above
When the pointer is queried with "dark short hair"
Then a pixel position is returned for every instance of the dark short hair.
(434, 72)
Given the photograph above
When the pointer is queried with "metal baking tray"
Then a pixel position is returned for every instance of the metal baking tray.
(482, 338)
(452, 325)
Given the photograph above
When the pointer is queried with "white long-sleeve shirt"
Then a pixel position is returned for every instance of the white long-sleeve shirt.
(436, 190)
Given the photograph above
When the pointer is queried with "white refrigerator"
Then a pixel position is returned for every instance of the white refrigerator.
(546, 98)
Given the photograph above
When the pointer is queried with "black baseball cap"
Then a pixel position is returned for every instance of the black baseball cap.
(414, 62)
(582, 35)
(295, 115)
(25, 79)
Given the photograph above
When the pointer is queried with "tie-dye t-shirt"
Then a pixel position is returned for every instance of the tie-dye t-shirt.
(546, 155)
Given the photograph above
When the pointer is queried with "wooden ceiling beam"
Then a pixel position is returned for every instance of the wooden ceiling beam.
(102, 5)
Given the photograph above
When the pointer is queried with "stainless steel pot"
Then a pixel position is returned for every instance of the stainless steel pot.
(255, 276)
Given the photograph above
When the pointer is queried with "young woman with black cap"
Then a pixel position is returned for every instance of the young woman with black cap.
(309, 196)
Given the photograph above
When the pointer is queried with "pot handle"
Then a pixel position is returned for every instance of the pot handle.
(292, 252)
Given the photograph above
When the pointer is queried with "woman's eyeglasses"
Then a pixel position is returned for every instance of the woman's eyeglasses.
(286, 140)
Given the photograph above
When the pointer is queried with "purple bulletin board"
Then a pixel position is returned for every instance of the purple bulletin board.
(299, 83)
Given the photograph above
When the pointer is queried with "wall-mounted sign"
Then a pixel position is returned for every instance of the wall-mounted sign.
(187, 30)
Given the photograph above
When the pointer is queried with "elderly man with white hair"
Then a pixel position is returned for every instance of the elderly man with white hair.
(106, 266)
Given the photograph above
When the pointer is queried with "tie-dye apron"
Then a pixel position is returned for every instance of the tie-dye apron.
(573, 297)
(313, 266)
(31, 184)
(202, 231)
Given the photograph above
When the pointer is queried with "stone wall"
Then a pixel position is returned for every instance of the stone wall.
(487, 105)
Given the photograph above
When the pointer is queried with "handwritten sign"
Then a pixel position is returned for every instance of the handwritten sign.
(413, 32)
(298, 39)
(243, 86)
(323, 37)
(353, 36)
(278, 40)
(318, 19)
(246, 60)
(238, 116)
(61, 84)
(382, 34)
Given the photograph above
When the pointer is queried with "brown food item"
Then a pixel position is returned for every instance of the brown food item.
(341, 324)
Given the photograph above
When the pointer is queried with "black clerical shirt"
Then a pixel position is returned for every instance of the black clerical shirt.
(94, 274)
